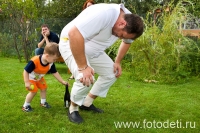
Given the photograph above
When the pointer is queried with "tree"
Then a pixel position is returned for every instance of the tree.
(20, 15)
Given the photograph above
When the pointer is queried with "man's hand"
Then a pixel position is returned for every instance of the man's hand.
(117, 70)
(45, 38)
(88, 76)
(45, 33)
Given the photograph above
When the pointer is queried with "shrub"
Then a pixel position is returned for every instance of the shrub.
(162, 53)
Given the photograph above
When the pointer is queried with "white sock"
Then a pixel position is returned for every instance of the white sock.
(73, 108)
(26, 104)
(43, 101)
(88, 101)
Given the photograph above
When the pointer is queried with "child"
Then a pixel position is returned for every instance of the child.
(34, 73)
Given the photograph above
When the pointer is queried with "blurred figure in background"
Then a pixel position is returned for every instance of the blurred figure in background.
(46, 37)
(88, 3)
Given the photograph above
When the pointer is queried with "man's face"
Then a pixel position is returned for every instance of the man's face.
(45, 31)
(118, 31)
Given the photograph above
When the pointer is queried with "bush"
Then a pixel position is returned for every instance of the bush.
(163, 53)
(6, 47)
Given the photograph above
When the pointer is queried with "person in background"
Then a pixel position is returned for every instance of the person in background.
(85, 5)
(35, 71)
(88, 3)
(82, 45)
(46, 37)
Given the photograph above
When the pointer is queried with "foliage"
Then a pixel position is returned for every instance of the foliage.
(162, 53)
(5, 47)
(21, 14)
(112, 50)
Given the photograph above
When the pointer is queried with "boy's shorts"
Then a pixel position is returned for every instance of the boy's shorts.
(39, 84)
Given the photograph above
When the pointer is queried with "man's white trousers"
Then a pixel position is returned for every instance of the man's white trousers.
(103, 66)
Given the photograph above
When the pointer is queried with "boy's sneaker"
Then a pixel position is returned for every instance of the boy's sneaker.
(45, 105)
(27, 109)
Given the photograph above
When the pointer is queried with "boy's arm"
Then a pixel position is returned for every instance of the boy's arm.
(59, 78)
(26, 79)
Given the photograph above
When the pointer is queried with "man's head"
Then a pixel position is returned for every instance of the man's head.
(45, 30)
(129, 26)
(51, 52)
(88, 3)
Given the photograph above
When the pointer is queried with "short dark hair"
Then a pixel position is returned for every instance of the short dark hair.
(52, 49)
(45, 25)
(134, 24)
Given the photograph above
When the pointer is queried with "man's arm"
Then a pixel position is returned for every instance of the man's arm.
(41, 43)
(124, 47)
(44, 40)
(77, 47)
(78, 50)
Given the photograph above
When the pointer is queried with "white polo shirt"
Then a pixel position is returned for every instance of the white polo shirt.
(95, 23)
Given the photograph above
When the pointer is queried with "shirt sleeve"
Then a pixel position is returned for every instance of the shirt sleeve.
(30, 67)
(129, 41)
(57, 39)
(53, 37)
(53, 68)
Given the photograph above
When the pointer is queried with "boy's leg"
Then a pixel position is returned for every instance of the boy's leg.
(43, 101)
(27, 104)
(29, 97)
(43, 91)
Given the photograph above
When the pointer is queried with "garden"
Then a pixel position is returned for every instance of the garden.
(158, 91)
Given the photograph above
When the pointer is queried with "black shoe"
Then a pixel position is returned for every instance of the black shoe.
(45, 105)
(91, 108)
(27, 109)
(75, 117)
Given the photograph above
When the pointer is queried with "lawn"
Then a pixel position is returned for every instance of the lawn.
(130, 106)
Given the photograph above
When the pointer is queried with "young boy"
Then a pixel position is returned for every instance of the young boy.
(34, 73)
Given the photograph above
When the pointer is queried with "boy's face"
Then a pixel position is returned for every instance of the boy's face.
(51, 58)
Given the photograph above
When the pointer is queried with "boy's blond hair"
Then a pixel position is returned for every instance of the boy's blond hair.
(52, 49)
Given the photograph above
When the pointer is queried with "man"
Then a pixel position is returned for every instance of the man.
(82, 46)
(46, 37)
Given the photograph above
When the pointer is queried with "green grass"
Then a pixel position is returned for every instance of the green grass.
(127, 101)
